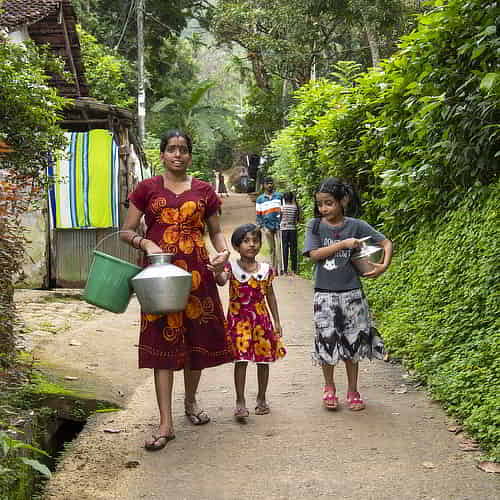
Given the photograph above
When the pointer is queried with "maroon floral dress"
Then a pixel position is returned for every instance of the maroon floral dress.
(249, 323)
(176, 223)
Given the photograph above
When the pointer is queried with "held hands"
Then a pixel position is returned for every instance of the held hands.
(218, 262)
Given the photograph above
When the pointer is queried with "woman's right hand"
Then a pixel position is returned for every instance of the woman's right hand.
(150, 247)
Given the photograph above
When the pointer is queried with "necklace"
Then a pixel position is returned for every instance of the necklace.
(173, 185)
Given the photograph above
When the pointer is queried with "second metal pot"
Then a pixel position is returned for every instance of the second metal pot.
(364, 258)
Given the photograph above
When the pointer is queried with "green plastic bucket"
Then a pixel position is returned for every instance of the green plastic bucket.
(108, 284)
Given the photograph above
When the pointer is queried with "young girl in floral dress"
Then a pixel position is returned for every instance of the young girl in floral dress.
(249, 324)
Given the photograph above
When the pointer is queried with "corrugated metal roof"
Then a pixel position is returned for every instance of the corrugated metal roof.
(14, 13)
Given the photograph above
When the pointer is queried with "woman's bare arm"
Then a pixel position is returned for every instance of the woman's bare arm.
(132, 220)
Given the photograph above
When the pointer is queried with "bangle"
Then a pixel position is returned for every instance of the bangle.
(133, 238)
(140, 241)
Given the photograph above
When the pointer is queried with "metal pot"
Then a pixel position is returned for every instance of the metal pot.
(364, 257)
(162, 287)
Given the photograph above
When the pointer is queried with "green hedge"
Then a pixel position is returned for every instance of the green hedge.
(439, 308)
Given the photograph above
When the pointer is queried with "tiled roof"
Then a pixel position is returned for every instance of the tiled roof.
(14, 13)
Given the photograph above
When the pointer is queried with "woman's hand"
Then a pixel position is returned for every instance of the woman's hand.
(150, 247)
(218, 262)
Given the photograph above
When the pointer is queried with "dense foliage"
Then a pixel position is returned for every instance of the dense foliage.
(441, 312)
(288, 43)
(110, 77)
(28, 124)
(420, 138)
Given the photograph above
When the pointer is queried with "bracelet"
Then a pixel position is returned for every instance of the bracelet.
(140, 241)
(133, 238)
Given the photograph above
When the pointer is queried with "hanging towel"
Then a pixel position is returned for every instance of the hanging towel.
(86, 190)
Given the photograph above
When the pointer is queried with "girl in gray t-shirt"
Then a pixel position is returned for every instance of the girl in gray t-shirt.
(344, 329)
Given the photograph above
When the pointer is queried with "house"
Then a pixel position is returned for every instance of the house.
(60, 252)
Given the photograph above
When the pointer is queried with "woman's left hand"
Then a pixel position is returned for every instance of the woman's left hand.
(218, 262)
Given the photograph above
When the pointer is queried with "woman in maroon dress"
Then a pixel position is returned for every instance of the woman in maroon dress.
(176, 208)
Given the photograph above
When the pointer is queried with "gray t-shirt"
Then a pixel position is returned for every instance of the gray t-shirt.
(336, 273)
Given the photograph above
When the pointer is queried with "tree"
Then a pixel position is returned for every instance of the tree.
(28, 124)
(110, 77)
(300, 39)
(287, 43)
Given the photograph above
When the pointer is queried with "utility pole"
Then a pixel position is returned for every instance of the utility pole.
(141, 97)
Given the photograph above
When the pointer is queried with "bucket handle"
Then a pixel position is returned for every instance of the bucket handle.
(112, 234)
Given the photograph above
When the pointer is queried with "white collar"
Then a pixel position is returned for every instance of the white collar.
(243, 276)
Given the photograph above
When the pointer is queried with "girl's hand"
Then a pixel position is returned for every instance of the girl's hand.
(378, 269)
(352, 243)
(218, 262)
(150, 246)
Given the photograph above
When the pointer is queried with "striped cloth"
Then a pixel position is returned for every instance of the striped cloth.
(268, 211)
(86, 189)
(289, 217)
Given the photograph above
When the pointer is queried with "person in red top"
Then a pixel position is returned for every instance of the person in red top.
(177, 207)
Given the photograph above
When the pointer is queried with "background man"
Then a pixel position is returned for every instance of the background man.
(268, 206)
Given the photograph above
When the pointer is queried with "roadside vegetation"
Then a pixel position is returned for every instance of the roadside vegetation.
(420, 139)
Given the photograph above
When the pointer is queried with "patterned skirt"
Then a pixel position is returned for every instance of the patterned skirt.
(344, 328)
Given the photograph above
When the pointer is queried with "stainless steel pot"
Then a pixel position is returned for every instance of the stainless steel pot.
(162, 287)
(364, 258)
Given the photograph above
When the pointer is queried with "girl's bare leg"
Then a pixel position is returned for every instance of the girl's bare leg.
(263, 381)
(240, 373)
(328, 371)
(352, 369)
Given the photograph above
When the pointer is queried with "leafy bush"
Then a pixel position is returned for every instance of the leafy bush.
(440, 309)
(414, 135)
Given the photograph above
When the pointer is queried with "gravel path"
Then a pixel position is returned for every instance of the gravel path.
(398, 448)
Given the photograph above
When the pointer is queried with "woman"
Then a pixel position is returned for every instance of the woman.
(222, 189)
(176, 208)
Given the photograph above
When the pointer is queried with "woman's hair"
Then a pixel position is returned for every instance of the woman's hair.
(340, 190)
(175, 133)
(241, 231)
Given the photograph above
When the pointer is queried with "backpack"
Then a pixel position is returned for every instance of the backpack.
(315, 228)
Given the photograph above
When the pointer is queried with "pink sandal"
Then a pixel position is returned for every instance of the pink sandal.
(330, 400)
(355, 402)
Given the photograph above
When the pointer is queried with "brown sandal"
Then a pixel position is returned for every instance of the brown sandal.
(262, 409)
(155, 445)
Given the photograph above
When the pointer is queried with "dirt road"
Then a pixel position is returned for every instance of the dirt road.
(398, 448)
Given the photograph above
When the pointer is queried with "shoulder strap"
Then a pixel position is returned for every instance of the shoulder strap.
(315, 228)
